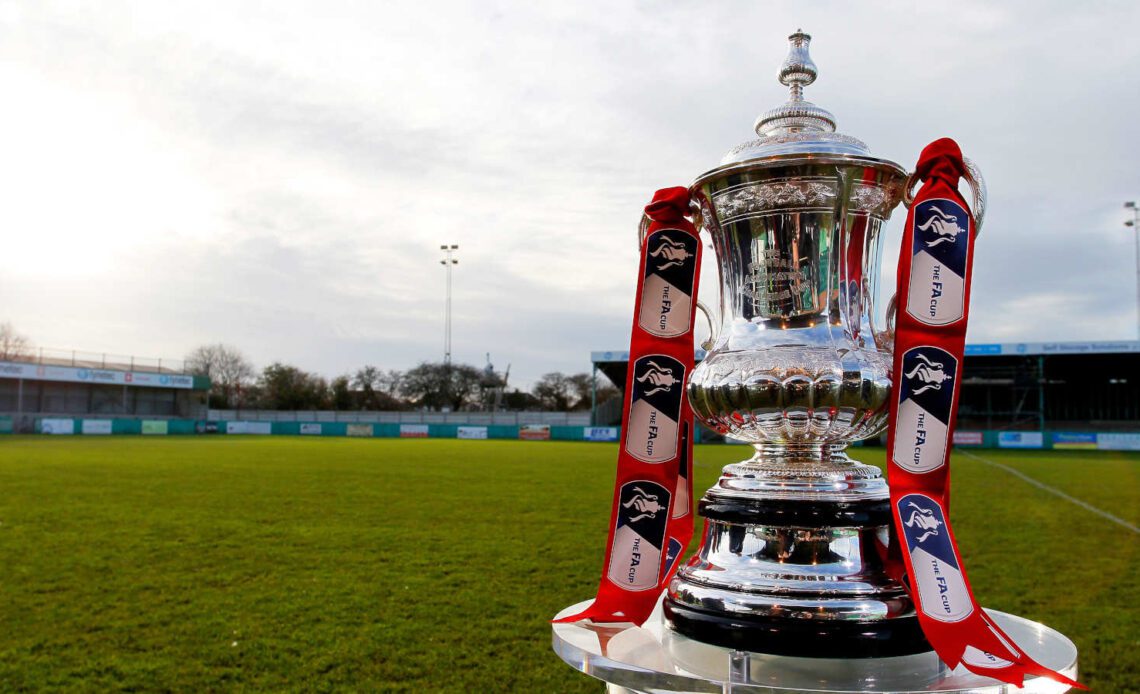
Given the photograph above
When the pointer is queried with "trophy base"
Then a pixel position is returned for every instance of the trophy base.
(655, 658)
(800, 637)
(792, 562)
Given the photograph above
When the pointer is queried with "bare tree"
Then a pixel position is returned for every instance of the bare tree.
(587, 387)
(377, 389)
(285, 387)
(341, 393)
(436, 386)
(390, 382)
(365, 380)
(13, 345)
(555, 390)
(229, 371)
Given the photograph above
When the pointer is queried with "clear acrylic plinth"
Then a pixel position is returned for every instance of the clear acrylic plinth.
(654, 658)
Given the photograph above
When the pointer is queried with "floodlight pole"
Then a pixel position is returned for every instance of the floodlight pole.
(1135, 224)
(448, 261)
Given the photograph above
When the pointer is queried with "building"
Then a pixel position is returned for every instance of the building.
(77, 384)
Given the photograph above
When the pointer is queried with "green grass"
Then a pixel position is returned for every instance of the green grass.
(231, 563)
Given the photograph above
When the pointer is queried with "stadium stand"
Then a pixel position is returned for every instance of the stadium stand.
(1025, 386)
(49, 383)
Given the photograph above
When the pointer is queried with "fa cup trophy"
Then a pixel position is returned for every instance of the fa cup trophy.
(805, 550)
(792, 557)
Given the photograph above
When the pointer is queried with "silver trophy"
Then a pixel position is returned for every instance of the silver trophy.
(791, 561)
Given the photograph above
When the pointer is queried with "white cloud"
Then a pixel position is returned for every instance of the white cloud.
(280, 176)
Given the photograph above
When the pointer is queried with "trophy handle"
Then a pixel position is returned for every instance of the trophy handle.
(707, 345)
(978, 186)
(977, 183)
(892, 316)
(643, 229)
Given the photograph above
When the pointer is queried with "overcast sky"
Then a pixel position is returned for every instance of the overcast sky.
(280, 175)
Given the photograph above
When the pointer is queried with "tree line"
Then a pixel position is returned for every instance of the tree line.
(236, 384)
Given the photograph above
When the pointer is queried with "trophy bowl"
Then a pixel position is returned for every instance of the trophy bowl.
(792, 557)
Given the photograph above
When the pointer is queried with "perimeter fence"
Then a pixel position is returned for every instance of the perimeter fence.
(171, 427)
(572, 419)
(479, 426)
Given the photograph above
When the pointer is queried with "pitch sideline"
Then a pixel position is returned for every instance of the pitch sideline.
(1053, 490)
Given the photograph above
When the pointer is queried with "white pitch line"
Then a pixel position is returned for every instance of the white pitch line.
(1053, 490)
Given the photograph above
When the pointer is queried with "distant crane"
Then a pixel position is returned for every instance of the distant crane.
(493, 385)
(502, 388)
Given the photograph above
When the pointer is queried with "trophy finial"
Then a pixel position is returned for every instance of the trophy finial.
(798, 71)
(797, 115)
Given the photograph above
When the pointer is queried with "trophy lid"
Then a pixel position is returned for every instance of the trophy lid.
(798, 126)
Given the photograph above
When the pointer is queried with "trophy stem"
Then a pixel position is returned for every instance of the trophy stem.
(803, 471)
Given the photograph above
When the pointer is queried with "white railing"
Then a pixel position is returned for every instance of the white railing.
(52, 356)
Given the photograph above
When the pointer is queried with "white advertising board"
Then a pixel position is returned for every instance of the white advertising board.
(471, 433)
(57, 426)
(311, 429)
(1118, 442)
(600, 433)
(1021, 439)
(249, 427)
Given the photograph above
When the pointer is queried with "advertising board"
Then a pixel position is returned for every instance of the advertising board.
(249, 427)
(413, 431)
(1118, 442)
(311, 429)
(358, 430)
(534, 432)
(479, 433)
(600, 433)
(1021, 439)
(1074, 441)
(57, 426)
(96, 427)
(969, 438)
(72, 374)
(155, 427)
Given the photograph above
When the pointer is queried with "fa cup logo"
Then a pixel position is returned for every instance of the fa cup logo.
(672, 252)
(944, 226)
(661, 378)
(930, 373)
(646, 505)
(924, 519)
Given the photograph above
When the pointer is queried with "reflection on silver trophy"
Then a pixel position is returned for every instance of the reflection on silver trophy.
(800, 367)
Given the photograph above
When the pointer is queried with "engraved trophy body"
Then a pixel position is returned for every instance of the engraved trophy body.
(791, 561)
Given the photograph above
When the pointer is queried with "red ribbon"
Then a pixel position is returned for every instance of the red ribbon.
(934, 274)
(651, 519)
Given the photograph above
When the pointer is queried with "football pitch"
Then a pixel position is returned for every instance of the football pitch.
(322, 564)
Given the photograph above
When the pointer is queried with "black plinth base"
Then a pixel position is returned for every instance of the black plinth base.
(800, 637)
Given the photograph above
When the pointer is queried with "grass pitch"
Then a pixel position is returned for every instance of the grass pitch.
(232, 563)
